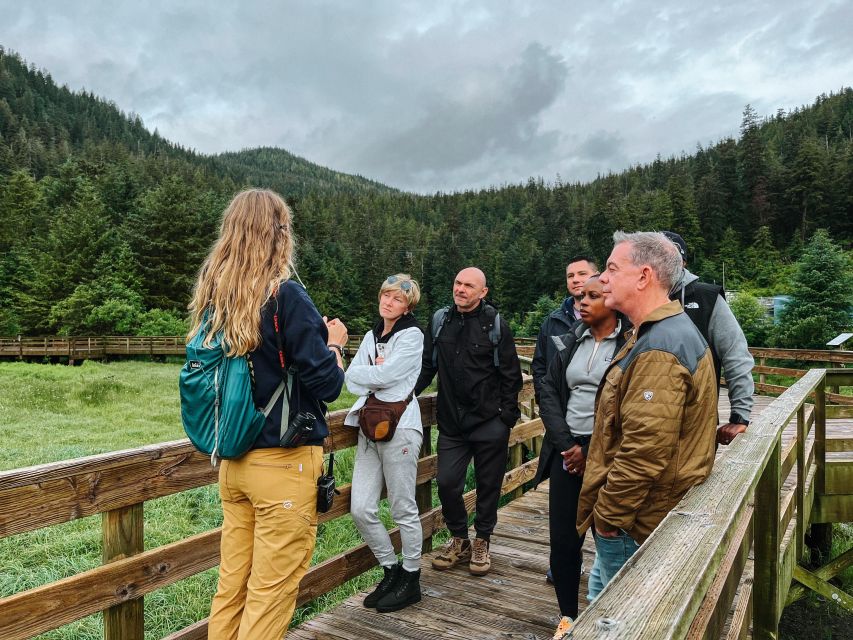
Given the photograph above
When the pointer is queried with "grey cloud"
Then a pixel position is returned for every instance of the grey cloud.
(459, 126)
(603, 145)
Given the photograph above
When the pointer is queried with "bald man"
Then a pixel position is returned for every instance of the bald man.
(471, 348)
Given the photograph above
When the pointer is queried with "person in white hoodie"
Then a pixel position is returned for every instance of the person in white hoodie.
(387, 364)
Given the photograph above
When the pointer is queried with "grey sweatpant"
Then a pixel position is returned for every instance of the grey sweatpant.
(393, 464)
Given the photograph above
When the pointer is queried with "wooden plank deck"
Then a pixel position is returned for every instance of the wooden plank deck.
(513, 601)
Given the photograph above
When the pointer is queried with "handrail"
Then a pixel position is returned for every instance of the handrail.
(681, 582)
(804, 355)
(80, 347)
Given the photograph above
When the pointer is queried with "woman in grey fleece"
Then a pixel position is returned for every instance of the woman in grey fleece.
(387, 364)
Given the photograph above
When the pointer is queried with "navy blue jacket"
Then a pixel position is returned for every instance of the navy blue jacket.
(560, 322)
(304, 336)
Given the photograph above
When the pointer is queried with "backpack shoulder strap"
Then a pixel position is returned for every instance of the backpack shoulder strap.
(437, 324)
(494, 331)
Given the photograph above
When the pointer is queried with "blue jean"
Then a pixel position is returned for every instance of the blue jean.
(610, 555)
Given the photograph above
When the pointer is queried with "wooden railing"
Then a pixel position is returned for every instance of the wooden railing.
(809, 357)
(682, 582)
(90, 347)
(117, 484)
(100, 347)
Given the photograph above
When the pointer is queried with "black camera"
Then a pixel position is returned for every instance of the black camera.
(326, 487)
(299, 430)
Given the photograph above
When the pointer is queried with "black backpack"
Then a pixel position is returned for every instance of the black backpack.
(492, 328)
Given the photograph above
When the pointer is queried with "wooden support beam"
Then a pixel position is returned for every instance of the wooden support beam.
(767, 544)
(824, 588)
(802, 523)
(826, 572)
(820, 437)
(122, 538)
(423, 492)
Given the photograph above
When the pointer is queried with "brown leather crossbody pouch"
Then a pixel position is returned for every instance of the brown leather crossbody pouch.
(378, 419)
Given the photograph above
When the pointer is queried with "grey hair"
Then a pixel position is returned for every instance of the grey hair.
(656, 250)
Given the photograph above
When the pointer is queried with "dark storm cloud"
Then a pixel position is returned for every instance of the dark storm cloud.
(449, 94)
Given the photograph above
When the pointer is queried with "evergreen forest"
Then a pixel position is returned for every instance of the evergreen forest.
(103, 223)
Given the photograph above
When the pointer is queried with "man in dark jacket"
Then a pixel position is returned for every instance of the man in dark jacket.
(706, 306)
(477, 405)
(562, 320)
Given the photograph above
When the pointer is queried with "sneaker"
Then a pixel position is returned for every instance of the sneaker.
(384, 587)
(453, 552)
(406, 591)
(481, 562)
(564, 628)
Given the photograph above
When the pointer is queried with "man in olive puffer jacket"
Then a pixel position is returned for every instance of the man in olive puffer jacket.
(656, 409)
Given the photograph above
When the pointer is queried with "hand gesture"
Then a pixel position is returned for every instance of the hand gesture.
(337, 332)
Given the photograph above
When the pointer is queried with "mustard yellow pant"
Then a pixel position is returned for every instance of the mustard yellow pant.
(269, 503)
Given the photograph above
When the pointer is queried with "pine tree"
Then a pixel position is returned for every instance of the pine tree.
(169, 242)
(685, 222)
(822, 297)
(763, 263)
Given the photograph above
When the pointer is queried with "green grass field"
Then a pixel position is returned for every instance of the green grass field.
(55, 412)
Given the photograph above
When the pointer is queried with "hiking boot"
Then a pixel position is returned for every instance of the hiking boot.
(453, 552)
(406, 591)
(384, 587)
(481, 562)
(564, 628)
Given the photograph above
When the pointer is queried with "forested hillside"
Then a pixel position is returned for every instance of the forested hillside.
(103, 223)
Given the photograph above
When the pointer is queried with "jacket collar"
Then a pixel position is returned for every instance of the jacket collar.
(582, 330)
(406, 321)
(469, 314)
(671, 308)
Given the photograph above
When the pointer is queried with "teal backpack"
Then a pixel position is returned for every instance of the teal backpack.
(217, 406)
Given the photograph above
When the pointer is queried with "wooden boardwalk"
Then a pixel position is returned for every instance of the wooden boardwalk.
(513, 601)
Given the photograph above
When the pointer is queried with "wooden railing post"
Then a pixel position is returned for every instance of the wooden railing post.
(767, 607)
(761, 377)
(516, 455)
(802, 474)
(423, 492)
(820, 436)
(123, 537)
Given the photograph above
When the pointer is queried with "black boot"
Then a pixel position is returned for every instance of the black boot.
(385, 586)
(406, 591)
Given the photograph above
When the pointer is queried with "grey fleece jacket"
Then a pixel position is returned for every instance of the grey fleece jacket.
(725, 337)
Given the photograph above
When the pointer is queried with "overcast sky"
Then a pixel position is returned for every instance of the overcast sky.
(443, 95)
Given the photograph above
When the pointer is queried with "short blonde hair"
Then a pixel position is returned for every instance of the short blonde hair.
(396, 283)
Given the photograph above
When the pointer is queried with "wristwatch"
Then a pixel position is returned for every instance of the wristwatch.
(735, 418)
(337, 347)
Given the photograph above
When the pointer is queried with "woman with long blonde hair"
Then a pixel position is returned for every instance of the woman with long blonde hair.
(269, 494)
